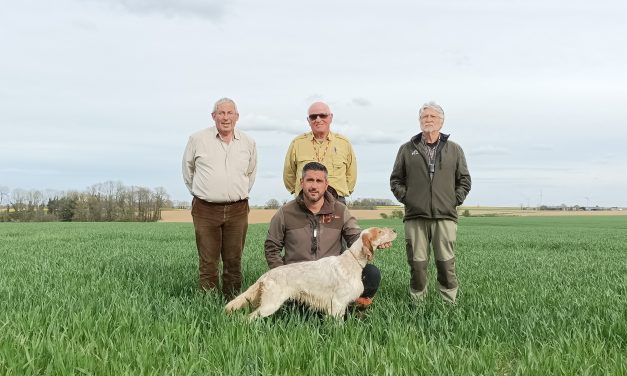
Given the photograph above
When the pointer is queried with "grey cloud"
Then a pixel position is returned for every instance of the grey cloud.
(211, 9)
(313, 98)
(269, 176)
(541, 147)
(28, 171)
(456, 57)
(373, 138)
(261, 123)
(488, 150)
(362, 102)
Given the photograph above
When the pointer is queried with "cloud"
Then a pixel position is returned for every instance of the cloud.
(315, 97)
(28, 171)
(210, 9)
(488, 150)
(263, 123)
(361, 102)
(270, 175)
(377, 137)
(541, 147)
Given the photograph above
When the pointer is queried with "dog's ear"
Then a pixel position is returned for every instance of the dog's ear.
(367, 245)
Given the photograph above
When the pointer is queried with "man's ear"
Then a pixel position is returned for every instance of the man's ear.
(366, 247)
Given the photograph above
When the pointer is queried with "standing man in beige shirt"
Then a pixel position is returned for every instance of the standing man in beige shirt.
(219, 168)
(321, 145)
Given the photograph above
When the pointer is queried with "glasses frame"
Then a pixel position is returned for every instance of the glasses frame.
(323, 116)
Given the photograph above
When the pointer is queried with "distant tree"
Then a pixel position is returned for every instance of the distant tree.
(272, 204)
(108, 201)
(159, 200)
(397, 214)
(181, 204)
(370, 203)
(67, 209)
(18, 205)
(4, 194)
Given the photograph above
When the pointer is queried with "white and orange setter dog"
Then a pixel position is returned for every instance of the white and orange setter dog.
(327, 285)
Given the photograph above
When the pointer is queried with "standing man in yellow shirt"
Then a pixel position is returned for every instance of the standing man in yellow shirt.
(219, 168)
(321, 145)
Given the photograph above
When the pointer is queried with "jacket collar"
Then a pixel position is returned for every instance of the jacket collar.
(417, 138)
(311, 137)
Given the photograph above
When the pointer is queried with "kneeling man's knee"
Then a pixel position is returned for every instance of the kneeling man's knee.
(371, 277)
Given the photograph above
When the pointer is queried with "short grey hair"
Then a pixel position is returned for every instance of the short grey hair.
(432, 105)
(315, 166)
(224, 100)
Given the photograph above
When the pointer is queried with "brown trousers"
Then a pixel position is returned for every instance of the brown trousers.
(220, 232)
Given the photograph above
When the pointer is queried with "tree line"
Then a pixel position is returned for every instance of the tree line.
(103, 202)
(361, 203)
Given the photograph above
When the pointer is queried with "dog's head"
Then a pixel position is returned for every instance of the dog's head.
(373, 237)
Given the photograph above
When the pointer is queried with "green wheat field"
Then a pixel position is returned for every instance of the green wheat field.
(538, 296)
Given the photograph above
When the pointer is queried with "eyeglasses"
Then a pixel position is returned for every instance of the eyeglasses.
(313, 117)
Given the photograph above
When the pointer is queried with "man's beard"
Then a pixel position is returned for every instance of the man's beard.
(429, 128)
(312, 199)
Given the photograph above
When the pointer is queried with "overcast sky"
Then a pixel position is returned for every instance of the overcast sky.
(535, 92)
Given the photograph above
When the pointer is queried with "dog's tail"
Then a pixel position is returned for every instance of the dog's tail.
(250, 297)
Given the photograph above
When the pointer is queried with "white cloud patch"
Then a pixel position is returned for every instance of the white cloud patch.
(373, 137)
(210, 9)
(28, 171)
(263, 123)
(541, 147)
(488, 150)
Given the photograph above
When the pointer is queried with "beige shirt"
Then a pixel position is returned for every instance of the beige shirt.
(215, 171)
(335, 153)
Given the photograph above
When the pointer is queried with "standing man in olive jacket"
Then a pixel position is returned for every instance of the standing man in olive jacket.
(431, 179)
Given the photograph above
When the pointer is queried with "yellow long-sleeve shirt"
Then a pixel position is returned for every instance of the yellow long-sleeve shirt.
(335, 153)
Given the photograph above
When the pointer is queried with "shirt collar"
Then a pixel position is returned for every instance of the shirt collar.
(330, 136)
(236, 133)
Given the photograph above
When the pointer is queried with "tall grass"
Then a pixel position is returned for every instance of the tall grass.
(538, 296)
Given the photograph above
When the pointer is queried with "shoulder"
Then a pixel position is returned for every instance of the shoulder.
(340, 138)
(289, 206)
(452, 144)
(302, 137)
(341, 209)
(300, 140)
(406, 145)
(279, 215)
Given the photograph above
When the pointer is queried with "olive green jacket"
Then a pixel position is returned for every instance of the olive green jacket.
(427, 198)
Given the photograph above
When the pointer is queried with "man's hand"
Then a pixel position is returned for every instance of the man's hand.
(384, 245)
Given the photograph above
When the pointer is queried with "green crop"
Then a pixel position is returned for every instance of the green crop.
(538, 296)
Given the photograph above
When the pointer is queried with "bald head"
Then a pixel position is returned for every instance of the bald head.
(319, 107)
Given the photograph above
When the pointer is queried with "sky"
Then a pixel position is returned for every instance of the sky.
(534, 91)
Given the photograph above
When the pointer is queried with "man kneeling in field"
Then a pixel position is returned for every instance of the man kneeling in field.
(312, 226)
